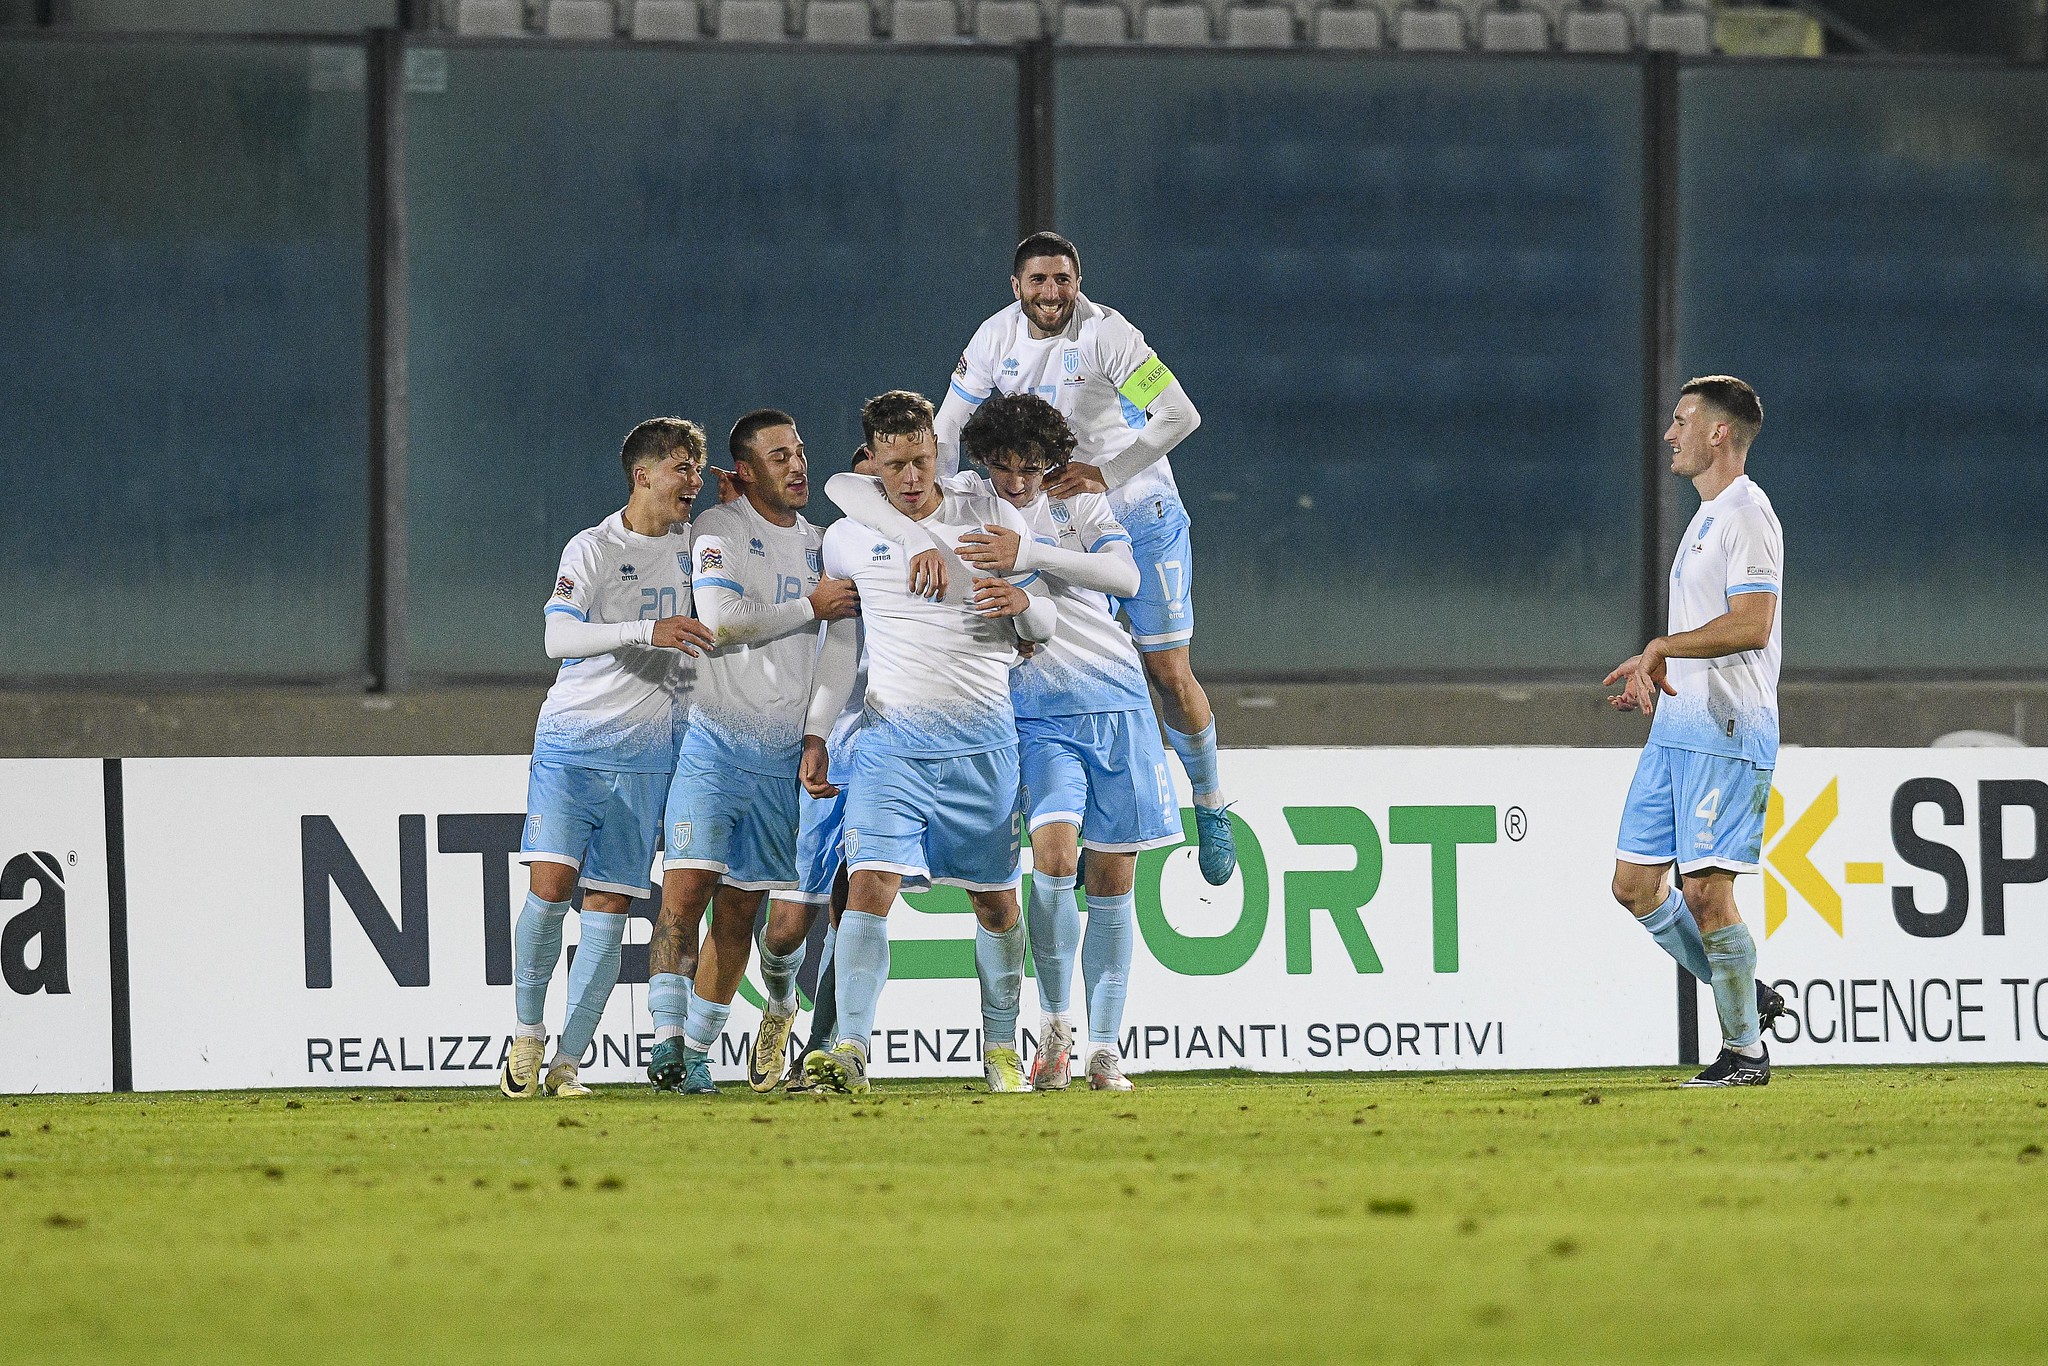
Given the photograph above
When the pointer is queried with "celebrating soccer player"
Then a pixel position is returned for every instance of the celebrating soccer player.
(605, 743)
(1705, 776)
(1127, 411)
(934, 790)
(731, 820)
(1093, 768)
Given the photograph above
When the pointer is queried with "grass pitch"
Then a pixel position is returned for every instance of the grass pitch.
(1865, 1214)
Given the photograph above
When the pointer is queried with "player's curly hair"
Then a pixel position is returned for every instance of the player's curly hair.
(658, 437)
(896, 413)
(1023, 425)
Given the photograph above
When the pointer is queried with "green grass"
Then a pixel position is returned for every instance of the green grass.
(1865, 1214)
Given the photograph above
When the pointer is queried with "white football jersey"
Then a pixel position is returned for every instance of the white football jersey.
(619, 711)
(938, 675)
(1727, 705)
(1099, 373)
(846, 730)
(749, 700)
(1089, 666)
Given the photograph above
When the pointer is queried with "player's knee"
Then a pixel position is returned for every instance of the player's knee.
(1638, 895)
(553, 881)
(1711, 900)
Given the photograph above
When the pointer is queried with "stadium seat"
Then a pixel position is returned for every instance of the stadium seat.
(839, 21)
(1686, 32)
(580, 19)
(1356, 26)
(1514, 30)
(666, 21)
(752, 21)
(490, 18)
(1008, 21)
(1434, 29)
(1258, 26)
(1595, 30)
(1176, 24)
(925, 21)
(1094, 24)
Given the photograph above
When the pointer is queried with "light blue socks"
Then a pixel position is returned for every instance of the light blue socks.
(1198, 756)
(706, 1022)
(778, 977)
(1054, 923)
(536, 948)
(591, 978)
(1673, 927)
(999, 964)
(1732, 953)
(861, 960)
(668, 1001)
(1106, 966)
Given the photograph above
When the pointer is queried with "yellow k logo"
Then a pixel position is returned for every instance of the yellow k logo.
(1790, 858)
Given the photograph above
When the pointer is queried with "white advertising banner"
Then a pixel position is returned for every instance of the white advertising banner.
(56, 1031)
(348, 922)
(1903, 906)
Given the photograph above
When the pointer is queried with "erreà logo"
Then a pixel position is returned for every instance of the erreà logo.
(40, 923)
(1790, 865)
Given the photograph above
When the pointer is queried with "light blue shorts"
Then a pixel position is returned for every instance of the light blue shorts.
(1162, 615)
(818, 855)
(950, 820)
(1105, 773)
(605, 824)
(734, 822)
(1700, 811)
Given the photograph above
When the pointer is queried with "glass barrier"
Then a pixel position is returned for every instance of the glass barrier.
(182, 359)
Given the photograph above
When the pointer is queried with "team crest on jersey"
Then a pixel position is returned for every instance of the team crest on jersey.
(1705, 527)
(814, 560)
(754, 546)
(533, 829)
(1071, 361)
(711, 558)
(565, 587)
(679, 835)
(1059, 511)
(852, 843)
(628, 574)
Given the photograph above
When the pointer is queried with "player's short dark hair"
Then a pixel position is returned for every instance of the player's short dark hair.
(861, 455)
(741, 443)
(1732, 399)
(1018, 424)
(1045, 244)
(659, 437)
(896, 413)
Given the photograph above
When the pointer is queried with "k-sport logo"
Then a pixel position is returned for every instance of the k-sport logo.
(37, 930)
(1792, 864)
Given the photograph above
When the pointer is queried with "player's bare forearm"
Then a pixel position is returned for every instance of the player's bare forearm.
(1746, 625)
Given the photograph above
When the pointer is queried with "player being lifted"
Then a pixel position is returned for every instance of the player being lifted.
(934, 790)
(1127, 411)
(605, 743)
(1705, 776)
(1093, 768)
(731, 821)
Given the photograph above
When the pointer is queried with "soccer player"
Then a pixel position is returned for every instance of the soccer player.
(821, 883)
(1704, 777)
(731, 821)
(934, 789)
(1127, 411)
(1092, 763)
(605, 743)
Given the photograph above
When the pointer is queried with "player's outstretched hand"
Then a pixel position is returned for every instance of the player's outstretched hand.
(1642, 678)
(835, 600)
(687, 634)
(811, 770)
(999, 598)
(728, 487)
(1078, 477)
(992, 550)
(928, 574)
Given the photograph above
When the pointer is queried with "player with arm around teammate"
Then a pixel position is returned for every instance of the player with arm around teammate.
(731, 819)
(1094, 770)
(1711, 686)
(934, 790)
(1127, 411)
(604, 744)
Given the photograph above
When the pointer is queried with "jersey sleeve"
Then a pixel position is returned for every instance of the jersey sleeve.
(839, 538)
(974, 378)
(711, 565)
(1128, 363)
(1096, 521)
(1756, 554)
(575, 581)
